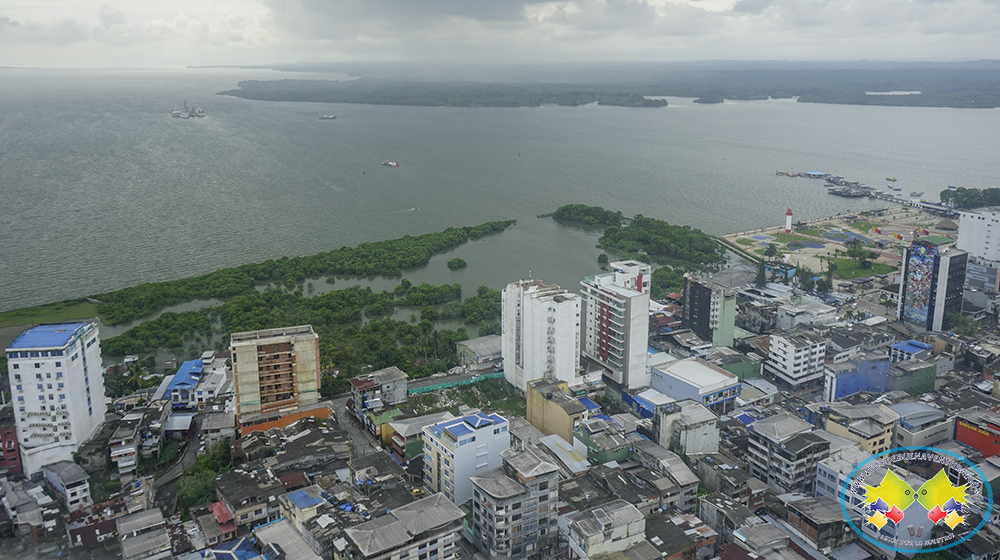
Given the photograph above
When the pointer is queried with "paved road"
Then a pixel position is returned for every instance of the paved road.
(187, 461)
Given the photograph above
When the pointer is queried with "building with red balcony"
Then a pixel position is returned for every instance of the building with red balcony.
(10, 451)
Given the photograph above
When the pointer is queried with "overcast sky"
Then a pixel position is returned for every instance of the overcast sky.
(203, 32)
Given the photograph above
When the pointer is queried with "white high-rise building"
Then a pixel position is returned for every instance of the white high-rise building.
(540, 333)
(57, 390)
(979, 233)
(616, 322)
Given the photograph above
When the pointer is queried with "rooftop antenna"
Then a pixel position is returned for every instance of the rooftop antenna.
(529, 273)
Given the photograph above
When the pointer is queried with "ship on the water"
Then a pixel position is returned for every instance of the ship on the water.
(187, 113)
(390, 163)
(327, 117)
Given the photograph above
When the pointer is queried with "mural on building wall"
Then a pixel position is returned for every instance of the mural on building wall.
(920, 271)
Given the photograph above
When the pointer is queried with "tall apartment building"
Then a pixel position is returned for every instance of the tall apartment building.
(783, 453)
(796, 358)
(455, 450)
(57, 388)
(540, 333)
(932, 284)
(616, 322)
(514, 511)
(274, 371)
(709, 310)
(979, 233)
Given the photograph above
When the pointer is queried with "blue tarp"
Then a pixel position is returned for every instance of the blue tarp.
(745, 419)
(302, 499)
(591, 405)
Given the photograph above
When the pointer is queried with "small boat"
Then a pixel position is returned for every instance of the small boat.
(891, 179)
(916, 194)
(952, 187)
(897, 188)
(390, 163)
(327, 117)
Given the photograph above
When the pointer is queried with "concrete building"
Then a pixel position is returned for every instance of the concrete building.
(377, 391)
(723, 514)
(70, 483)
(921, 425)
(218, 426)
(610, 527)
(698, 380)
(514, 506)
(687, 427)
(915, 377)
(455, 450)
(407, 442)
(143, 536)
(821, 522)
(280, 539)
(430, 527)
(57, 388)
(910, 350)
(870, 425)
(481, 354)
(248, 500)
(796, 358)
(540, 332)
(932, 285)
(709, 310)
(783, 452)
(10, 449)
(552, 411)
(655, 457)
(274, 371)
(975, 233)
(863, 372)
(616, 322)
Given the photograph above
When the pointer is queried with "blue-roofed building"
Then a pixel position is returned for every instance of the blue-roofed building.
(910, 350)
(462, 447)
(179, 388)
(593, 407)
(57, 390)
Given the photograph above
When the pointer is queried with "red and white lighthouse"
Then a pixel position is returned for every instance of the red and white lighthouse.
(788, 221)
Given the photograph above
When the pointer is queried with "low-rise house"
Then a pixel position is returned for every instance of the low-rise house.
(921, 425)
(821, 522)
(407, 442)
(143, 536)
(611, 527)
(760, 540)
(23, 509)
(377, 391)
(603, 440)
(430, 527)
(218, 426)
(681, 537)
(10, 449)
(783, 452)
(480, 354)
(657, 458)
(250, 498)
(94, 524)
(698, 380)
(723, 515)
(70, 482)
(280, 539)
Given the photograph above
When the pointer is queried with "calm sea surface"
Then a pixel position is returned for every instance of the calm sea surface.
(101, 189)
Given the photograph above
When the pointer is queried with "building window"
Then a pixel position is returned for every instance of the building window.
(543, 486)
(16, 366)
(38, 365)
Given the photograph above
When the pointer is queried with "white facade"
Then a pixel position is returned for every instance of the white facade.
(540, 333)
(979, 233)
(57, 389)
(797, 358)
(456, 449)
(616, 322)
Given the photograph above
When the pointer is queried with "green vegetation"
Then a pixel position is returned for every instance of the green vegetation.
(387, 258)
(632, 100)
(49, 313)
(491, 395)
(590, 215)
(856, 252)
(455, 264)
(666, 280)
(445, 94)
(966, 84)
(649, 239)
(814, 232)
(746, 241)
(198, 485)
(961, 324)
(862, 226)
(848, 269)
(152, 464)
(789, 237)
(967, 198)
(602, 261)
